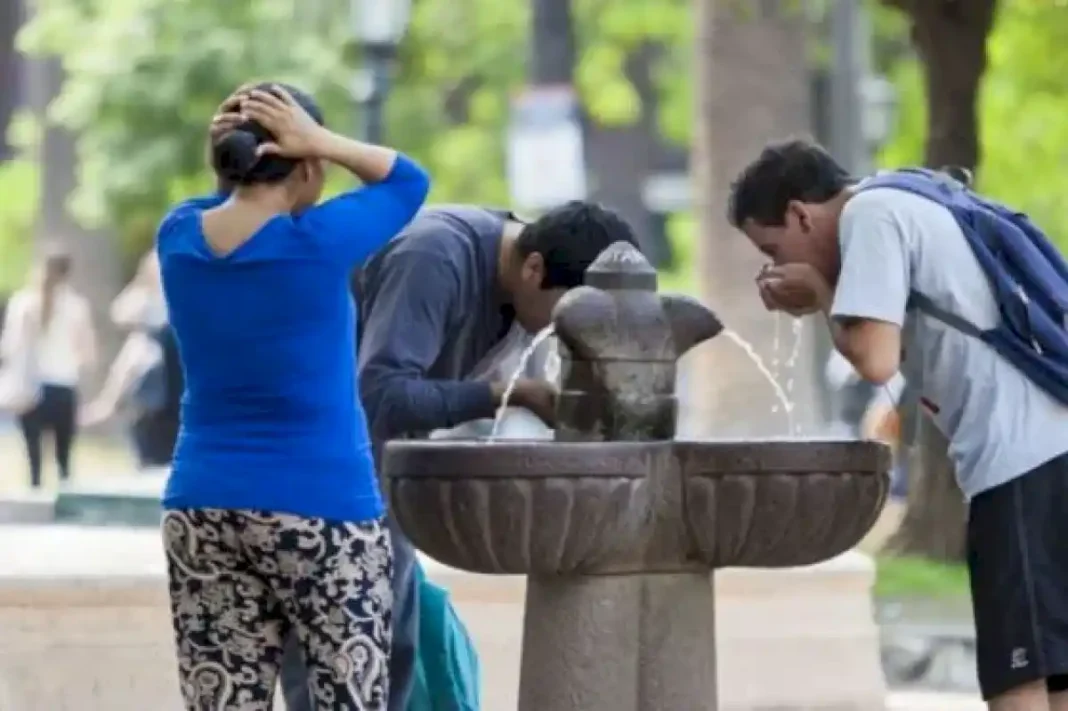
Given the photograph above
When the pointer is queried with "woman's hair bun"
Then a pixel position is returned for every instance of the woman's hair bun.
(235, 154)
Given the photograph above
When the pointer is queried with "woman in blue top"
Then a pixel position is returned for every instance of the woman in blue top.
(273, 515)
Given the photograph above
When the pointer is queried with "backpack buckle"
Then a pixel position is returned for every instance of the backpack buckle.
(1026, 300)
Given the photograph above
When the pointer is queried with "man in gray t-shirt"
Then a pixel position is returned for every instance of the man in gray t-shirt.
(857, 257)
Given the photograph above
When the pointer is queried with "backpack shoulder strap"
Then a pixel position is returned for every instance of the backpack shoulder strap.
(930, 308)
(930, 184)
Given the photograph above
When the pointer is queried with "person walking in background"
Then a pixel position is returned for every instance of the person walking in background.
(273, 518)
(468, 286)
(145, 379)
(48, 337)
(985, 296)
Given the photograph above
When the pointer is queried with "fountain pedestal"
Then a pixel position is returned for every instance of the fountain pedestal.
(617, 526)
(660, 630)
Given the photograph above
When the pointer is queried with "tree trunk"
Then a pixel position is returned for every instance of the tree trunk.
(950, 37)
(93, 252)
(746, 96)
(934, 523)
(10, 70)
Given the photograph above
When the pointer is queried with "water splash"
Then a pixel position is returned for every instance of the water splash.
(521, 368)
(775, 344)
(797, 327)
(780, 394)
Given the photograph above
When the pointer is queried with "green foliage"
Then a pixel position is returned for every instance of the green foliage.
(903, 578)
(1024, 138)
(19, 184)
(609, 32)
(143, 77)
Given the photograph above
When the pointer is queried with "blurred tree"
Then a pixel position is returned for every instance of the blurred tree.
(142, 78)
(950, 39)
(746, 96)
(144, 75)
(20, 183)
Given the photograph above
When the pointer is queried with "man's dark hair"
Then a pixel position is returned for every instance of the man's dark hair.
(570, 237)
(789, 170)
(233, 155)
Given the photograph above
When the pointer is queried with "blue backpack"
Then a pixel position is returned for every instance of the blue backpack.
(1028, 275)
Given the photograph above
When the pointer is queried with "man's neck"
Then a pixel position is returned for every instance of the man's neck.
(838, 202)
(505, 256)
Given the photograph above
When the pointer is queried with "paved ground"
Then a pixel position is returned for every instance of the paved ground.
(93, 458)
(924, 701)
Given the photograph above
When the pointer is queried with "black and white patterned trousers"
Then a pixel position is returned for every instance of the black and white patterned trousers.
(241, 580)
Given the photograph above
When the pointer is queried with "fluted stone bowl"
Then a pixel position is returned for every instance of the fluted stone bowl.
(517, 507)
(558, 507)
(781, 503)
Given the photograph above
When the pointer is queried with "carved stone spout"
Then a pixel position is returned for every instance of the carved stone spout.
(620, 341)
(691, 321)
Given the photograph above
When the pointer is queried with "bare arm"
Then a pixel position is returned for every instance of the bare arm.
(14, 324)
(85, 338)
(873, 347)
(369, 163)
(873, 288)
(137, 355)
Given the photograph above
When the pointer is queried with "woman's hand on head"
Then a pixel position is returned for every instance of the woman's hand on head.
(296, 134)
(228, 116)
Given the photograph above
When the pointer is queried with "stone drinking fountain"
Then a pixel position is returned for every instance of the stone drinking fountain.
(617, 525)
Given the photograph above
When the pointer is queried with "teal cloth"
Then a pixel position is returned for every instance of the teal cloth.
(447, 672)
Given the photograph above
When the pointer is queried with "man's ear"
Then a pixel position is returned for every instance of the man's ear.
(533, 269)
(801, 213)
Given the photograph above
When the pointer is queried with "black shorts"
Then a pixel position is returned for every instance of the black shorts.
(1018, 561)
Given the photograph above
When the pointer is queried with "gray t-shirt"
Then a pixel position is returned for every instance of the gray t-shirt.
(999, 424)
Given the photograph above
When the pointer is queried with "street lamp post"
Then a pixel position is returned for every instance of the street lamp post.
(378, 27)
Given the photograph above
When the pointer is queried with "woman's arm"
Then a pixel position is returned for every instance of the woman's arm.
(128, 308)
(353, 225)
(356, 224)
(85, 336)
(137, 355)
(368, 162)
(14, 327)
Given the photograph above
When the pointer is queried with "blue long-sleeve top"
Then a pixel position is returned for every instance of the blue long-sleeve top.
(431, 310)
(270, 415)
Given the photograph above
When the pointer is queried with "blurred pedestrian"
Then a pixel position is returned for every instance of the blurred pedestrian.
(48, 346)
(145, 381)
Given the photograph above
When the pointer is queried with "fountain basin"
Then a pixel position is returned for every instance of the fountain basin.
(781, 504)
(518, 507)
(550, 508)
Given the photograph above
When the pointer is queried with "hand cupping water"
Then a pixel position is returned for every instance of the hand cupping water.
(798, 289)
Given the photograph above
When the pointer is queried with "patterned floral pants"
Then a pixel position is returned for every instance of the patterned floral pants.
(240, 580)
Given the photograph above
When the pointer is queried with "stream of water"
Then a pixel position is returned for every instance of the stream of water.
(780, 394)
(521, 368)
(797, 326)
